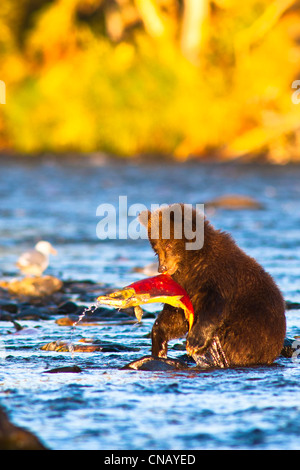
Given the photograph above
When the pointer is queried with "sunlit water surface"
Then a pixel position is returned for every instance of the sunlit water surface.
(105, 407)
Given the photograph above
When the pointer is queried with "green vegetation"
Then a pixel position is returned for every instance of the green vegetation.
(128, 77)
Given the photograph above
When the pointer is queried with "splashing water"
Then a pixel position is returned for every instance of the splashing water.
(90, 309)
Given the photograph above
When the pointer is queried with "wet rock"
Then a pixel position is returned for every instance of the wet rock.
(70, 321)
(15, 304)
(114, 347)
(151, 363)
(8, 306)
(290, 346)
(234, 202)
(5, 316)
(59, 346)
(292, 305)
(102, 313)
(65, 321)
(67, 307)
(95, 346)
(86, 310)
(16, 438)
(67, 369)
(33, 286)
(31, 312)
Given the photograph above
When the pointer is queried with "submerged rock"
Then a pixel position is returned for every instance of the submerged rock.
(152, 363)
(69, 321)
(64, 346)
(89, 346)
(15, 438)
(67, 369)
(33, 286)
(234, 202)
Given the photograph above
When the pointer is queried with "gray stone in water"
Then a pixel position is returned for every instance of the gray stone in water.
(67, 307)
(67, 369)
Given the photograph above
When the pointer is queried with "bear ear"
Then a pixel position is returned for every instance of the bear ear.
(145, 218)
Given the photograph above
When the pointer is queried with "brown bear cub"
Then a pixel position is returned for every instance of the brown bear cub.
(239, 311)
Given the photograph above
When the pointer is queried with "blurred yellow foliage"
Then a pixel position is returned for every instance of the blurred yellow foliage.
(130, 77)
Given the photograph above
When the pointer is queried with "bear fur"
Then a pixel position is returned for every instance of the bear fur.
(239, 310)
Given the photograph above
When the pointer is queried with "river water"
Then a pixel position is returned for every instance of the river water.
(105, 407)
